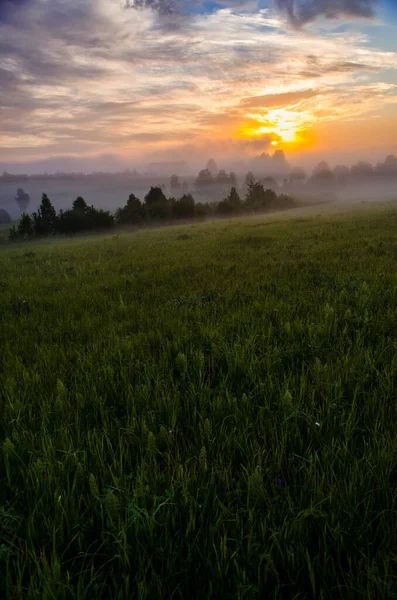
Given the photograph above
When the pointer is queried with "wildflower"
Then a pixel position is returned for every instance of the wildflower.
(317, 424)
(279, 481)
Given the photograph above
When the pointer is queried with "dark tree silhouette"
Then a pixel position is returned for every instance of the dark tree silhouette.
(156, 204)
(45, 220)
(230, 205)
(80, 206)
(22, 199)
(4, 217)
(184, 208)
(257, 198)
(132, 213)
(26, 227)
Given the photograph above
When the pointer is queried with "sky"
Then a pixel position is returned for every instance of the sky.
(173, 79)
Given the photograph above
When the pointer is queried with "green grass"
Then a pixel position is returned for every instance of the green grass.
(203, 411)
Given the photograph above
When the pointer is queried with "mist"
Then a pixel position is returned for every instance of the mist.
(107, 181)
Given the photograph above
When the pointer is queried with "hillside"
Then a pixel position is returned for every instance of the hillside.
(204, 411)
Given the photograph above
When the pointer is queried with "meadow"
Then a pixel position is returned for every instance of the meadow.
(204, 411)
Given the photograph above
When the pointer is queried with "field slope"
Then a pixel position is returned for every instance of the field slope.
(203, 411)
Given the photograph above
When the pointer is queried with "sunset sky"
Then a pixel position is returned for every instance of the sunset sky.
(172, 78)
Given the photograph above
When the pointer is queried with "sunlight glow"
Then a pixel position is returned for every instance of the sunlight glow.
(283, 126)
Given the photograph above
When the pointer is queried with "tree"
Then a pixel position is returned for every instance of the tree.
(26, 227)
(233, 179)
(4, 217)
(391, 161)
(69, 222)
(249, 178)
(230, 205)
(132, 213)
(204, 179)
(83, 218)
(362, 169)
(388, 167)
(45, 220)
(74, 220)
(99, 219)
(341, 173)
(175, 183)
(22, 199)
(212, 167)
(13, 234)
(202, 210)
(156, 204)
(257, 198)
(234, 200)
(80, 205)
(184, 208)
(322, 173)
(279, 163)
(222, 178)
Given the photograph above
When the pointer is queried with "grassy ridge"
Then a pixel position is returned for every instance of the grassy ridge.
(205, 411)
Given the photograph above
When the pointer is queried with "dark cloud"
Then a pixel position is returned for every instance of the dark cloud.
(9, 8)
(300, 12)
(162, 6)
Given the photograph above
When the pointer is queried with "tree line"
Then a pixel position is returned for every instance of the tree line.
(155, 208)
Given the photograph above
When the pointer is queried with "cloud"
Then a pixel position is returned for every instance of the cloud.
(84, 77)
(276, 100)
(182, 6)
(300, 12)
(162, 6)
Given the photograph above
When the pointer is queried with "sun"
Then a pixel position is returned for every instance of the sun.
(283, 126)
(281, 123)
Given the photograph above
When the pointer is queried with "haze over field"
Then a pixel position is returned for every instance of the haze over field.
(129, 82)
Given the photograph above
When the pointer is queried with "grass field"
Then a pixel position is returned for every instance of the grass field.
(204, 411)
